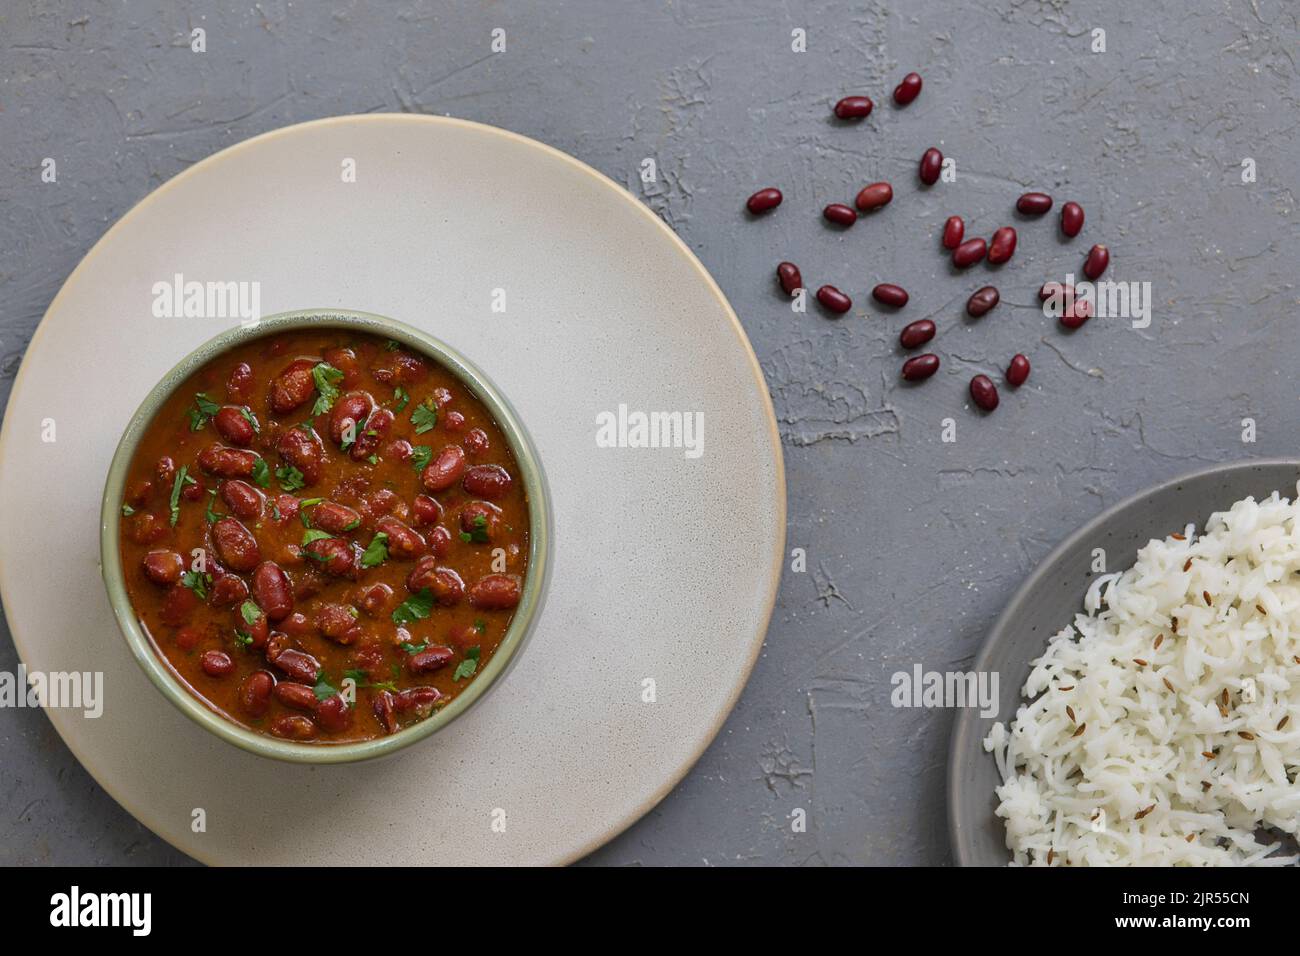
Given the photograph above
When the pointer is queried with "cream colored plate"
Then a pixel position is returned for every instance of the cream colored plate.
(666, 567)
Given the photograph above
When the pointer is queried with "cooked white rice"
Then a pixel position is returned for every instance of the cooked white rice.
(1134, 786)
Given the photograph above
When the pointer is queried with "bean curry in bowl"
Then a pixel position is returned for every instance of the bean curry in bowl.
(324, 534)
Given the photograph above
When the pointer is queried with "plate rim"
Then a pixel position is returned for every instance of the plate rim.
(623, 195)
(964, 725)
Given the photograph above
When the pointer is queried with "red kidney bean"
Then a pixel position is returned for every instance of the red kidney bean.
(338, 622)
(145, 528)
(889, 294)
(139, 492)
(334, 556)
(931, 166)
(243, 500)
(376, 427)
(299, 665)
(984, 392)
(349, 412)
(165, 469)
(853, 107)
(272, 591)
(953, 231)
(235, 545)
(302, 449)
(1071, 219)
(400, 368)
(426, 510)
(916, 334)
(417, 700)
(982, 301)
(787, 273)
(763, 201)
(454, 422)
(297, 696)
(920, 367)
(333, 517)
(495, 592)
(193, 492)
(476, 441)
(187, 638)
(231, 425)
(1002, 246)
(333, 713)
(163, 567)
(293, 727)
(908, 90)
(296, 624)
(216, 663)
(293, 386)
(403, 543)
(969, 252)
(840, 214)
(479, 515)
(259, 632)
(239, 386)
(1097, 261)
(1034, 204)
(178, 606)
(288, 507)
(442, 397)
(385, 501)
(255, 693)
(227, 462)
(487, 481)
(445, 583)
(430, 659)
(345, 360)
(382, 706)
(1017, 371)
(874, 196)
(439, 542)
(834, 300)
(375, 599)
(445, 470)
(228, 590)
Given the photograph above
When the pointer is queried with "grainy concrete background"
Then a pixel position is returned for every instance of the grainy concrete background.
(913, 544)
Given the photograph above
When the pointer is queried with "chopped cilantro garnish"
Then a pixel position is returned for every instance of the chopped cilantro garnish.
(182, 478)
(391, 346)
(248, 417)
(250, 612)
(262, 473)
(425, 417)
(314, 534)
(480, 625)
(127, 511)
(373, 459)
(362, 680)
(211, 515)
(327, 378)
(413, 648)
(479, 534)
(376, 552)
(420, 456)
(290, 478)
(323, 688)
(243, 638)
(469, 665)
(401, 397)
(415, 608)
(202, 412)
(198, 583)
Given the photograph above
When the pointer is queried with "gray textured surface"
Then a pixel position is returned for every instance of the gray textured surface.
(913, 544)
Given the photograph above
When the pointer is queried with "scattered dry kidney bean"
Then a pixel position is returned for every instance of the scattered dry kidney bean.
(1097, 261)
(853, 107)
(969, 252)
(889, 294)
(916, 334)
(1002, 246)
(1034, 204)
(982, 301)
(920, 367)
(787, 273)
(874, 196)
(908, 90)
(931, 166)
(1017, 371)
(953, 231)
(833, 299)
(764, 200)
(1076, 313)
(1071, 219)
(840, 214)
(984, 392)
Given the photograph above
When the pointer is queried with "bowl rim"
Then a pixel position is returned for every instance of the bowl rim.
(965, 727)
(536, 580)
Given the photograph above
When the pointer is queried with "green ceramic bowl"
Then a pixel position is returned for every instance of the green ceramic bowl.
(539, 549)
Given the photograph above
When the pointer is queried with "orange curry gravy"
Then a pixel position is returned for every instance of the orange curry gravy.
(324, 535)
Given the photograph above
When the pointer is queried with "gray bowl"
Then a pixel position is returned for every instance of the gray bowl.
(1048, 601)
